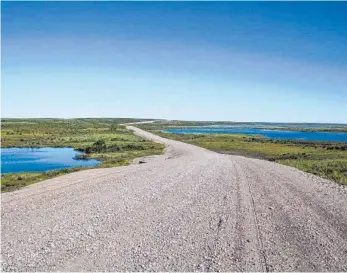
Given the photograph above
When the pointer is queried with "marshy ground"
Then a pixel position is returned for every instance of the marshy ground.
(103, 139)
(113, 144)
(325, 159)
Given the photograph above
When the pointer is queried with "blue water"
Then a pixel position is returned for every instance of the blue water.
(14, 160)
(274, 134)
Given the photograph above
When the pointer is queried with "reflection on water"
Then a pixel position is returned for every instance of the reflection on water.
(14, 160)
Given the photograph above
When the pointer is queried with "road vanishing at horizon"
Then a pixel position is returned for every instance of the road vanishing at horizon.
(188, 210)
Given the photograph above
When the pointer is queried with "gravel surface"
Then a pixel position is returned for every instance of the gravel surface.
(188, 210)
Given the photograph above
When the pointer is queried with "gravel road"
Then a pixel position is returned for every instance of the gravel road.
(188, 210)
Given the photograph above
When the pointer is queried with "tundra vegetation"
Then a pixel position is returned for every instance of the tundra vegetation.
(102, 139)
(325, 159)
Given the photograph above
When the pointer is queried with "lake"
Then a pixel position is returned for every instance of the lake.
(273, 134)
(14, 160)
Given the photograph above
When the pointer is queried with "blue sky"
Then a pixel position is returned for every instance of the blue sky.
(237, 61)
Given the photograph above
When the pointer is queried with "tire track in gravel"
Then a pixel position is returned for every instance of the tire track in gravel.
(247, 223)
(305, 230)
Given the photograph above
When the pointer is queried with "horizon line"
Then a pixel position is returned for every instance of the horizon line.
(187, 120)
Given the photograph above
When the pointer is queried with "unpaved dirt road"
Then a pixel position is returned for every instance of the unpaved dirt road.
(188, 210)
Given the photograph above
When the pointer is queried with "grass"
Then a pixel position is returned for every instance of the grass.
(325, 159)
(114, 145)
(102, 139)
(11, 182)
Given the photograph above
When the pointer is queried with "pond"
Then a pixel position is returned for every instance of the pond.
(274, 134)
(14, 160)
